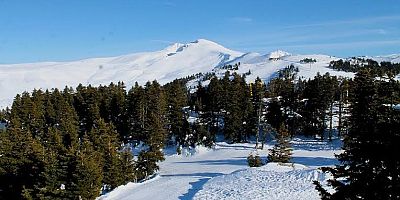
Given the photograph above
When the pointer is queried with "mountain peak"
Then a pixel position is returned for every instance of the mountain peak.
(174, 47)
(208, 43)
(204, 41)
(200, 45)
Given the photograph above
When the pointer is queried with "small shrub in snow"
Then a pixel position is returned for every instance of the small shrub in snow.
(179, 150)
(254, 161)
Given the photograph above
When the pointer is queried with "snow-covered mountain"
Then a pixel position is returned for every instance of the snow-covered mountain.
(175, 61)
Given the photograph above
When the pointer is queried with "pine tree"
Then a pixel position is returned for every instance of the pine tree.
(21, 163)
(86, 103)
(249, 119)
(112, 107)
(127, 166)
(87, 176)
(154, 129)
(146, 164)
(319, 93)
(234, 130)
(342, 96)
(55, 174)
(176, 100)
(136, 113)
(255, 115)
(282, 150)
(204, 137)
(367, 168)
(105, 141)
(214, 105)
(274, 115)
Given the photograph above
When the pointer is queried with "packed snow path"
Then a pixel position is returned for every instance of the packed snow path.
(181, 177)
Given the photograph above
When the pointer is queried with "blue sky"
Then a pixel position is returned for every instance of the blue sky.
(60, 30)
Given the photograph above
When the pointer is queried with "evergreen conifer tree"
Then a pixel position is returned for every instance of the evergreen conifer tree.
(367, 169)
(176, 100)
(87, 176)
(136, 113)
(21, 163)
(282, 150)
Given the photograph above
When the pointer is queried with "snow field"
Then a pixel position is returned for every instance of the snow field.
(222, 173)
(272, 181)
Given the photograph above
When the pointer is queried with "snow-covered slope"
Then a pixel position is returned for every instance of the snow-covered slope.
(394, 58)
(175, 61)
(273, 181)
(266, 68)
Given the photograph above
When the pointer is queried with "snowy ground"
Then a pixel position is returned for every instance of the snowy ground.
(272, 181)
(223, 173)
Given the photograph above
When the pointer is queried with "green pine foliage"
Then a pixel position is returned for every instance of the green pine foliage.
(176, 95)
(21, 162)
(367, 168)
(146, 164)
(282, 150)
(254, 161)
(47, 159)
(237, 109)
(203, 136)
(136, 115)
(87, 177)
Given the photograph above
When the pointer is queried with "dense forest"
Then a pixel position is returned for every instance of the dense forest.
(78, 143)
(356, 64)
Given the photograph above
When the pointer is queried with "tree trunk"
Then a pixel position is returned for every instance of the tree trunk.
(258, 125)
(330, 122)
(340, 116)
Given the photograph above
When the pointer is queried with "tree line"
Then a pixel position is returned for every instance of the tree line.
(356, 64)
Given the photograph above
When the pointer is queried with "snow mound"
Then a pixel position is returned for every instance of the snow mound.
(272, 181)
(189, 151)
(278, 54)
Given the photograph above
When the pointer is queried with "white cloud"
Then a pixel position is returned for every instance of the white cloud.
(162, 41)
(241, 19)
(344, 45)
(368, 20)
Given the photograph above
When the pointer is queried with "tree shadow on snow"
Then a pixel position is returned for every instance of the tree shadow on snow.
(197, 185)
(310, 144)
(236, 146)
(314, 161)
(240, 161)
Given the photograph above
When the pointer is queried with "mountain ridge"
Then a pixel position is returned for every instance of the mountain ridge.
(174, 61)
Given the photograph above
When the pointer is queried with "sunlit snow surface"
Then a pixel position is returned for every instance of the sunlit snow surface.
(223, 173)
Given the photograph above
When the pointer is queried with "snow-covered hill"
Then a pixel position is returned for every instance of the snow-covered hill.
(175, 61)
